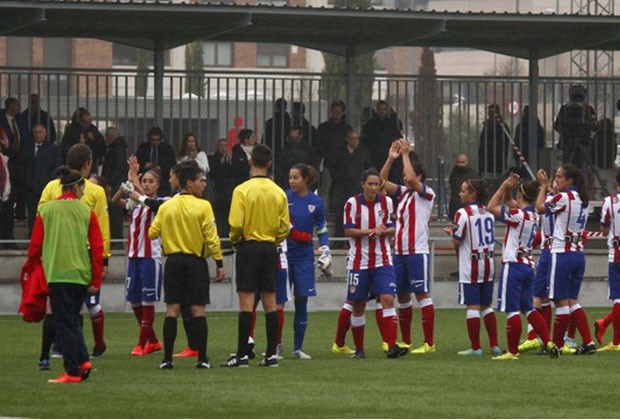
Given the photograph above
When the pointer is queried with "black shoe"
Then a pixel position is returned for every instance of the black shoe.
(271, 361)
(237, 362)
(553, 350)
(251, 352)
(394, 352)
(98, 352)
(203, 364)
(44, 364)
(586, 349)
(166, 364)
(359, 354)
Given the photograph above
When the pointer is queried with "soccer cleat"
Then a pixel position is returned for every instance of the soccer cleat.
(496, 351)
(237, 362)
(187, 352)
(586, 349)
(85, 369)
(424, 349)
(359, 354)
(56, 355)
(154, 348)
(567, 350)
(137, 351)
(203, 364)
(599, 330)
(271, 361)
(279, 352)
(44, 364)
(97, 353)
(251, 352)
(470, 352)
(570, 342)
(384, 347)
(553, 350)
(342, 350)
(404, 345)
(608, 347)
(506, 356)
(528, 345)
(166, 364)
(300, 355)
(395, 352)
(65, 378)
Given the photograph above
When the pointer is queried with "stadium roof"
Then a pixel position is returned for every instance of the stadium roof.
(164, 24)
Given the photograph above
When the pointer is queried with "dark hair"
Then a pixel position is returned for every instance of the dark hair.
(155, 131)
(188, 173)
(339, 103)
(299, 107)
(78, 114)
(579, 181)
(8, 101)
(176, 168)
(370, 172)
(245, 134)
(529, 190)
(183, 150)
(280, 104)
(69, 178)
(308, 173)
(418, 169)
(261, 156)
(480, 188)
(78, 155)
(382, 102)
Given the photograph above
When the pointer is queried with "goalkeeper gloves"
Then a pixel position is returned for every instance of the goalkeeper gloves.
(325, 261)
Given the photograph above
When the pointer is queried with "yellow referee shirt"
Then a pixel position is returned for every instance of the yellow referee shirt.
(94, 197)
(258, 212)
(186, 224)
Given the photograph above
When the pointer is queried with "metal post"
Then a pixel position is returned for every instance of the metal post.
(351, 70)
(159, 84)
(441, 193)
(532, 119)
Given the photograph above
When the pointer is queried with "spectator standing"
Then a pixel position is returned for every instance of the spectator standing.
(157, 155)
(377, 137)
(293, 153)
(493, 146)
(241, 154)
(299, 120)
(461, 172)
(42, 158)
(353, 159)
(277, 128)
(82, 130)
(222, 175)
(522, 137)
(35, 115)
(114, 171)
(190, 150)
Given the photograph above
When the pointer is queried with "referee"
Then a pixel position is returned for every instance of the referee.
(258, 221)
(186, 225)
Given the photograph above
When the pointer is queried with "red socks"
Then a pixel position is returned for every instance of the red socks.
(97, 324)
(616, 321)
(572, 327)
(405, 315)
(147, 333)
(490, 323)
(513, 332)
(580, 319)
(531, 332)
(562, 315)
(389, 326)
(539, 326)
(379, 319)
(428, 320)
(280, 325)
(609, 317)
(547, 313)
(473, 328)
(357, 329)
(344, 322)
(137, 311)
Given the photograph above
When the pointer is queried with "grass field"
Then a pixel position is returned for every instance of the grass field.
(439, 385)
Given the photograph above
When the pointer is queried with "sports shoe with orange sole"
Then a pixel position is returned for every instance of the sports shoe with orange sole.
(65, 378)
(188, 352)
(154, 348)
(85, 369)
(137, 351)
(599, 330)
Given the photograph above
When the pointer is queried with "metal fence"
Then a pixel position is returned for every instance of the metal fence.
(443, 116)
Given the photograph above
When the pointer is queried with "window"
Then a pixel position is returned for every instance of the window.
(57, 52)
(272, 55)
(217, 54)
(124, 55)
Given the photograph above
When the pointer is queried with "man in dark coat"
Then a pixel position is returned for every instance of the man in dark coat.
(493, 146)
(35, 115)
(377, 137)
(155, 154)
(82, 130)
(221, 174)
(277, 128)
(115, 171)
(460, 172)
(293, 153)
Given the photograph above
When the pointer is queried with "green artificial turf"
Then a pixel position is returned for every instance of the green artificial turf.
(436, 385)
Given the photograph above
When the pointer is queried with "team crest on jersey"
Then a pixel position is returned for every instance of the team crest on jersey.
(352, 289)
(381, 214)
(311, 208)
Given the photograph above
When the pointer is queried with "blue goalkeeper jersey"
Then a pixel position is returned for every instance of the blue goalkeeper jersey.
(307, 215)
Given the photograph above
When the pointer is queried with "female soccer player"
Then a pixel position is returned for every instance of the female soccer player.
(306, 214)
(567, 256)
(411, 259)
(144, 273)
(368, 225)
(473, 233)
(517, 274)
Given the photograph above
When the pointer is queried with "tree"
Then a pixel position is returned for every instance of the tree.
(333, 88)
(427, 115)
(194, 82)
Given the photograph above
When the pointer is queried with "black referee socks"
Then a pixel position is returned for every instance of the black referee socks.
(245, 325)
(170, 334)
(271, 321)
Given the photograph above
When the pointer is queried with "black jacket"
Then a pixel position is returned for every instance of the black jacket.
(350, 165)
(28, 120)
(293, 153)
(41, 167)
(329, 137)
(240, 165)
(165, 160)
(115, 165)
(493, 147)
(378, 135)
(93, 139)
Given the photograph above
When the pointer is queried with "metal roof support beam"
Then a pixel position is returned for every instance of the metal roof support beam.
(351, 73)
(11, 22)
(159, 84)
(532, 128)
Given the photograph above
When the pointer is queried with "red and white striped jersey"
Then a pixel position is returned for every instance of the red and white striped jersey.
(610, 217)
(521, 228)
(412, 218)
(368, 251)
(475, 230)
(569, 221)
(282, 260)
(139, 245)
(546, 228)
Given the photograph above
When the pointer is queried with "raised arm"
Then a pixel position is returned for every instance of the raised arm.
(543, 181)
(408, 173)
(394, 154)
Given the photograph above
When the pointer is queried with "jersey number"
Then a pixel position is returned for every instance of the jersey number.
(485, 238)
(354, 279)
(530, 241)
(581, 219)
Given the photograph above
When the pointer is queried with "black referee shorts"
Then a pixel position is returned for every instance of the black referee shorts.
(186, 280)
(257, 266)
